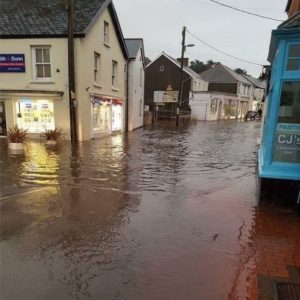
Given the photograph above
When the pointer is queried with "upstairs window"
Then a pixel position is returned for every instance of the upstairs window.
(106, 33)
(293, 63)
(96, 67)
(41, 62)
(161, 68)
(114, 73)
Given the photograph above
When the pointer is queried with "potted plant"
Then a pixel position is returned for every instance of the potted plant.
(53, 136)
(16, 138)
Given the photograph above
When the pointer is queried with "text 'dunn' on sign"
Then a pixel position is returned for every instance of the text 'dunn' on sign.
(12, 63)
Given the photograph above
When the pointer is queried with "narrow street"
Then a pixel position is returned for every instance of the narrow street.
(156, 214)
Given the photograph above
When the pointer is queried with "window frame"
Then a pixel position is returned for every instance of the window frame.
(106, 33)
(97, 66)
(34, 62)
(161, 68)
(114, 73)
(287, 58)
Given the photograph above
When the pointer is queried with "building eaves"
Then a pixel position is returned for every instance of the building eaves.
(187, 70)
(261, 84)
(291, 27)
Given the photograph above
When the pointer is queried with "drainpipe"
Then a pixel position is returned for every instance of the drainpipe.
(127, 98)
(71, 72)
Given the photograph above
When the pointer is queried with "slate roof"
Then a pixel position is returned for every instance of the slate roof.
(292, 22)
(261, 84)
(291, 27)
(222, 74)
(49, 18)
(133, 46)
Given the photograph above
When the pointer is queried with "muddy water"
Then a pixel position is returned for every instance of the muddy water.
(156, 214)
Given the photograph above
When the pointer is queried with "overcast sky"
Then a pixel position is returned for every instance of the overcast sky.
(160, 22)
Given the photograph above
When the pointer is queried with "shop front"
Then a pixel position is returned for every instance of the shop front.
(35, 116)
(32, 111)
(107, 115)
(3, 129)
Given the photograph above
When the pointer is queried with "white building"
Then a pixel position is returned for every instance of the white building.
(229, 95)
(34, 91)
(136, 83)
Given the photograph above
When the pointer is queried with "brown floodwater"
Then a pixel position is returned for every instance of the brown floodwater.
(156, 214)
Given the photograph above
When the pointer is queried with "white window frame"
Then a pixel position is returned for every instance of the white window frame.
(114, 74)
(106, 33)
(97, 66)
(34, 63)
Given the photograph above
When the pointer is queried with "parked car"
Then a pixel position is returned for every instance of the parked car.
(251, 115)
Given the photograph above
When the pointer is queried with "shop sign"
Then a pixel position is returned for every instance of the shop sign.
(12, 63)
(287, 143)
(166, 96)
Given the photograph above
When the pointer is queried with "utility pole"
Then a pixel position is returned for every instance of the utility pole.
(71, 72)
(181, 76)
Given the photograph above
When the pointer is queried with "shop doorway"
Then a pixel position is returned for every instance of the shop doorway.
(3, 128)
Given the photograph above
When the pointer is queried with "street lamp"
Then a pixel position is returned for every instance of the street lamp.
(183, 48)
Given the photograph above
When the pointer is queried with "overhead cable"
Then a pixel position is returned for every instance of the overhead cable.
(244, 11)
(223, 52)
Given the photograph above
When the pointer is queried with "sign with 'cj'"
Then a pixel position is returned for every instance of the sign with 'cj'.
(12, 63)
(287, 143)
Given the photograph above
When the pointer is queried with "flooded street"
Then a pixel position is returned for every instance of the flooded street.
(155, 214)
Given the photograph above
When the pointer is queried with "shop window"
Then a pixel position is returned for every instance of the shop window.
(213, 106)
(287, 141)
(106, 33)
(116, 117)
(293, 63)
(289, 111)
(35, 115)
(96, 67)
(41, 62)
(114, 73)
(101, 116)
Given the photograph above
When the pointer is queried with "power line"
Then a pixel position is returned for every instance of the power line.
(244, 11)
(220, 51)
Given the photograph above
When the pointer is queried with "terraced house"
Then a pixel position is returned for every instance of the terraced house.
(34, 88)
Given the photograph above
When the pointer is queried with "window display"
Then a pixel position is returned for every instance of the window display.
(35, 115)
(116, 117)
(101, 116)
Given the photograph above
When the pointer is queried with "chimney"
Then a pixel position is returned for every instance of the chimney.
(185, 61)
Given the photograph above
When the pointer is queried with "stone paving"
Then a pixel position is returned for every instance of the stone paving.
(273, 257)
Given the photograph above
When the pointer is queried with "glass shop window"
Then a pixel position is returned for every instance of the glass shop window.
(293, 63)
(35, 115)
(289, 110)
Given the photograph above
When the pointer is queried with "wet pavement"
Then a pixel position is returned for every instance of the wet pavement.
(155, 214)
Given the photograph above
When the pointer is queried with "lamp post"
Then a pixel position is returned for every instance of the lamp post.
(183, 48)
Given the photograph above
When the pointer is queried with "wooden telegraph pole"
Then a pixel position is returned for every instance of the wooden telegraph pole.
(71, 71)
(181, 76)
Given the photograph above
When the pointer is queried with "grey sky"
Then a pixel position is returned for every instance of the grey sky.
(160, 23)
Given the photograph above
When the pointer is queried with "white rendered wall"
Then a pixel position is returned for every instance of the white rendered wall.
(136, 93)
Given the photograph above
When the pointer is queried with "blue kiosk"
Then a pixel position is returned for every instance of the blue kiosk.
(279, 153)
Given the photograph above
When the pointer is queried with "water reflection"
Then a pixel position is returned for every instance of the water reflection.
(155, 214)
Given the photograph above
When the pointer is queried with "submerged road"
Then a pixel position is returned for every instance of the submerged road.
(155, 214)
